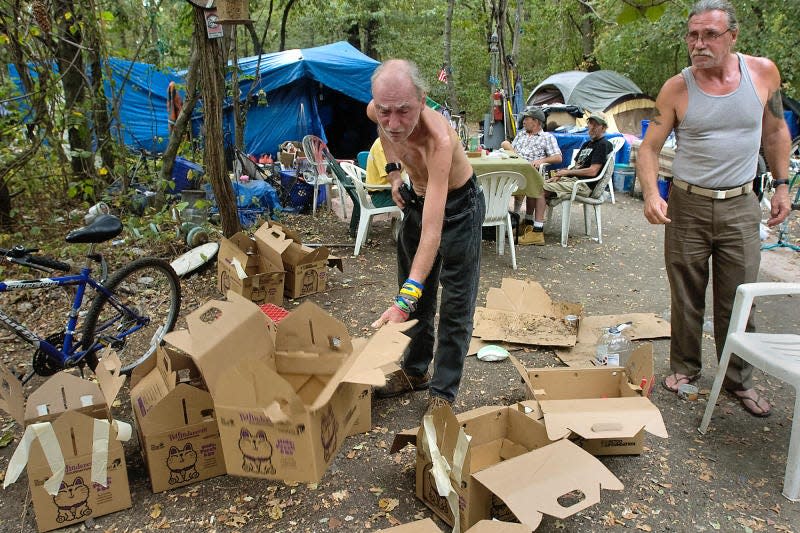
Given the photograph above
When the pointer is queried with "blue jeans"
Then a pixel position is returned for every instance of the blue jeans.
(457, 267)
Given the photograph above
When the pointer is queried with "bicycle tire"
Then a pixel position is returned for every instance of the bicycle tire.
(144, 284)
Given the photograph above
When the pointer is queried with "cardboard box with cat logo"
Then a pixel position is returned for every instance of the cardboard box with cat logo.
(498, 463)
(71, 448)
(283, 409)
(306, 268)
(175, 421)
(605, 410)
(247, 266)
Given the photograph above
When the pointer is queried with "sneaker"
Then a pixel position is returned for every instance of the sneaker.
(398, 382)
(532, 237)
(435, 402)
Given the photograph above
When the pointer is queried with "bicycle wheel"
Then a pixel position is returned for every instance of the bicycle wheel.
(463, 134)
(146, 292)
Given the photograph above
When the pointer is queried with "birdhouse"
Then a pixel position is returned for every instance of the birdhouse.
(232, 11)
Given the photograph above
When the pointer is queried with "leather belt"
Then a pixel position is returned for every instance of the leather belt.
(716, 194)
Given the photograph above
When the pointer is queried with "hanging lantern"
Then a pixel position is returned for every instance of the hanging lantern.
(233, 11)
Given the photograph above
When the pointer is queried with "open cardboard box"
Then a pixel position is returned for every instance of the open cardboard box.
(605, 407)
(175, 419)
(306, 268)
(71, 449)
(468, 468)
(248, 266)
(522, 312)
(283, 408)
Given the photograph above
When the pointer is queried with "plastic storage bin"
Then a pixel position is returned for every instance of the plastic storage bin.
(180, 174)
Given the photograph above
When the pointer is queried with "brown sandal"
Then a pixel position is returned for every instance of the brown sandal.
(680, 379)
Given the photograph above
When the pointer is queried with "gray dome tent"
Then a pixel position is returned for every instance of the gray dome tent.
(621, 100)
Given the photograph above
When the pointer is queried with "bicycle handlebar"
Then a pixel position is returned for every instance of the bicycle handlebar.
(23, 256)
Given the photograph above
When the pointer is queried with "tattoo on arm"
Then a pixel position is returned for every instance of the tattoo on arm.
(656, 115)
(775, 104)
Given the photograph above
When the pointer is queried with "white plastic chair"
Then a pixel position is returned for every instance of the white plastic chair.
(617, 143)
(313, 148)
(775, 354)
(497, 189)
(368, 210)
(595, 200)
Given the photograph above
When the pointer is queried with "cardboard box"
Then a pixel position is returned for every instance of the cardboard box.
(306, 268)
(249, 267)
(288, 152)
(72, 452)
(420, 526)
(283, 409)
(604, 409)
(174, 415)
(522, 312)
(468, 468)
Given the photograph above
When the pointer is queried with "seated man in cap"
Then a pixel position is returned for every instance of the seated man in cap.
(590, 160)
(538, 147)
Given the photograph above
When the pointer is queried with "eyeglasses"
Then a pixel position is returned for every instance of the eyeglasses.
(707, 36)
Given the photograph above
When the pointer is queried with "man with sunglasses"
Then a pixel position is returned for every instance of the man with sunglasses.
(722, 107)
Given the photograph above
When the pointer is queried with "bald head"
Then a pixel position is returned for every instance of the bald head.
(400, 70)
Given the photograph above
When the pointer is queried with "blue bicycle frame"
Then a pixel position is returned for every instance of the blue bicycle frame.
(69, 355)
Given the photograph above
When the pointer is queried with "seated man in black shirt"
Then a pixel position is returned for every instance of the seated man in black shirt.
(588, 163)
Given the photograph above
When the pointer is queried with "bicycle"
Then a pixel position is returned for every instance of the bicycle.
(794, 196)
(132, 310)
(458, 121)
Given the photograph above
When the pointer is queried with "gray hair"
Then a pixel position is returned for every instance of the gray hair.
(409, 68)
(703, 6)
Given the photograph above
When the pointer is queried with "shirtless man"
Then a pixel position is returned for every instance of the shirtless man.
(440, 236)
(722, 108)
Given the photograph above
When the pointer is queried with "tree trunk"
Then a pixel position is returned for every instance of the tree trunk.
(184, 117)
(452, 95)
(284, 18)
(71, 68)
(371, 29)
(101, 119)
(587, 38)
(251, 31)
(211, 68)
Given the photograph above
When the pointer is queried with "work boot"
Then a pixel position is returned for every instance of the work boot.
(531, 236)
(522, 228)
(435, 402)
(398, 382)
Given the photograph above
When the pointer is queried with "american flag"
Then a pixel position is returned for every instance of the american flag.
(443, 75)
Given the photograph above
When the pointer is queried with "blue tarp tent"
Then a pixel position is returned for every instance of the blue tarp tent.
(321, 91)
(139, 91)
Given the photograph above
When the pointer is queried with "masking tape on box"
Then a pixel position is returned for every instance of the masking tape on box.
(238, 267)
(100, 445)
(440, 469)
(43, 432)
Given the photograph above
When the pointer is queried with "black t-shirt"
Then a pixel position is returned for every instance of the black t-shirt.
(591, 152)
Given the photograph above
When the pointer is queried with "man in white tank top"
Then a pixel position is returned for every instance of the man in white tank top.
(720, 108)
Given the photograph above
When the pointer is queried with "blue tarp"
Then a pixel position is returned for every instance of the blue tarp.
(320, 91)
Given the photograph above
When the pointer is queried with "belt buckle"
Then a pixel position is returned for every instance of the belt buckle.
(719, 195)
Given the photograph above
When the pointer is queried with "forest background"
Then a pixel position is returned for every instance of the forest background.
(54, 154)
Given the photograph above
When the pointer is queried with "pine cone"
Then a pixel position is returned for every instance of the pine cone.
(41, 14)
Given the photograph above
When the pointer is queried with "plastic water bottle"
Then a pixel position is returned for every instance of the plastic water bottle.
(613, 349)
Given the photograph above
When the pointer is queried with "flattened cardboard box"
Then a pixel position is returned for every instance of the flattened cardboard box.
(249, 267)
(306, 268)
(284, 409)
(73, 455)
(523, 313)
(604, 408)
(174, 415)
(420, 526)
(468, 468)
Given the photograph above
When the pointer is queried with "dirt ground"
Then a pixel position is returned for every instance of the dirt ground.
(727, 480)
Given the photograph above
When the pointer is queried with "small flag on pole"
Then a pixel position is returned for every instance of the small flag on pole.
(443, 75)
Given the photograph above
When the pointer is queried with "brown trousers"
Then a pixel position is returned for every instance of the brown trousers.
(726, 231)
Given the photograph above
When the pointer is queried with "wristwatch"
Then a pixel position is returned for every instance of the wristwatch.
(391, 167)
(775, 183)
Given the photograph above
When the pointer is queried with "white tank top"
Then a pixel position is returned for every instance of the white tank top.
(719, 137)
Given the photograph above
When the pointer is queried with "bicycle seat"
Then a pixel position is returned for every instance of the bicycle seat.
(103, 228)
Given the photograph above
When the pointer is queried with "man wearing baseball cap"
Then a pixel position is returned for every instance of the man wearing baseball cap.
(539, 148)
(590, 160)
